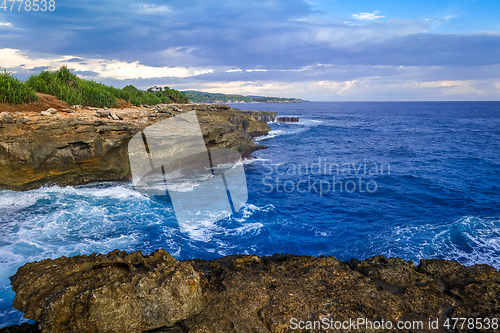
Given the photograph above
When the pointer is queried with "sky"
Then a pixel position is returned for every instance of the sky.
(317, 50)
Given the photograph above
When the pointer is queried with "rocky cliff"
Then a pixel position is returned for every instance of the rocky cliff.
(69, 146)
(122, 292)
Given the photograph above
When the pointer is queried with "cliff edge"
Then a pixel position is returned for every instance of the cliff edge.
(121, 292)
(71, 146)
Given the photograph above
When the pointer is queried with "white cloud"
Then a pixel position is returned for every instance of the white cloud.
(153, 9)
(281, 89)
(367, 16)
(349, 35)
(6, 24)
(364, 82)
(364, 89)
(114, 69)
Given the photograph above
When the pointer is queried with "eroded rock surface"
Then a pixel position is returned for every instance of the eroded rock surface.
(82, 147)
(117, 292)
(250, 293)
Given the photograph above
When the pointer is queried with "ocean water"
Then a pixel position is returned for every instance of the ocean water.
(353, 180)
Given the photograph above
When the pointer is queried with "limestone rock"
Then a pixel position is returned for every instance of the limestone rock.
(114, 116)
(22, 120)
(247, 293)
(6, 118)
(46, 113)
(144, 120)
(51, 110)
(118, 292)
(77, 150)
(68, 110)
(102, 113)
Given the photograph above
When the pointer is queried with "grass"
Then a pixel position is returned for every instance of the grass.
(68, 87)
(14, 91)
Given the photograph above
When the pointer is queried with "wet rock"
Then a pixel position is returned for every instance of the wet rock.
(287, 119)
(247, 293)
(23, 328)
(118, 292)
(6, 118)
(22, 120)
(267, 119)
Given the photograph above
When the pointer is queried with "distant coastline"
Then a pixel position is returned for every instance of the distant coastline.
(206, 97)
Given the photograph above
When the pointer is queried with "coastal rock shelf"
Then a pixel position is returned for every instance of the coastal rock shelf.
(122, 292)
(273, 118)
(90, 144)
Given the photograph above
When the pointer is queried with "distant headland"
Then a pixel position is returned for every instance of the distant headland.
(206, 97)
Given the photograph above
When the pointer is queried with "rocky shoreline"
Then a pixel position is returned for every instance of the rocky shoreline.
(132, 292)
(121, 292)
(78, 145)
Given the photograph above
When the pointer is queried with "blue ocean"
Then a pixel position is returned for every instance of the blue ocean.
(351, 180)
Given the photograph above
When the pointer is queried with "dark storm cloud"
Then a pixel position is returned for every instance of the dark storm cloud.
(279, 35)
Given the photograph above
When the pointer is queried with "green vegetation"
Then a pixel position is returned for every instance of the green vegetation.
(154, 95)
(204, 97)
(68, 87)
(14, 91)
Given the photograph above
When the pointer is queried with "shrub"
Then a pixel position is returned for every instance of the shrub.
(14, 91)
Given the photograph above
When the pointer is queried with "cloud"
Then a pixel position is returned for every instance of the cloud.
(153, 9)
(285, 47)
(261, 34)
(104, 68)
(367, 16)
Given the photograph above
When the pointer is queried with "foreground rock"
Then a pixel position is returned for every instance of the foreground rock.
(81, 147)
(6, 118)
(249, 293)
(115, 293)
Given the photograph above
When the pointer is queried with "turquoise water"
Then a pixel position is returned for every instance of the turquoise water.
(414, 180)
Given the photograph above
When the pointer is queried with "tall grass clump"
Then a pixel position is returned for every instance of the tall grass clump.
(70, 88)
(14, 91)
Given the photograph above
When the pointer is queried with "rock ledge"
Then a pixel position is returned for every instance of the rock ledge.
(123, 292)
